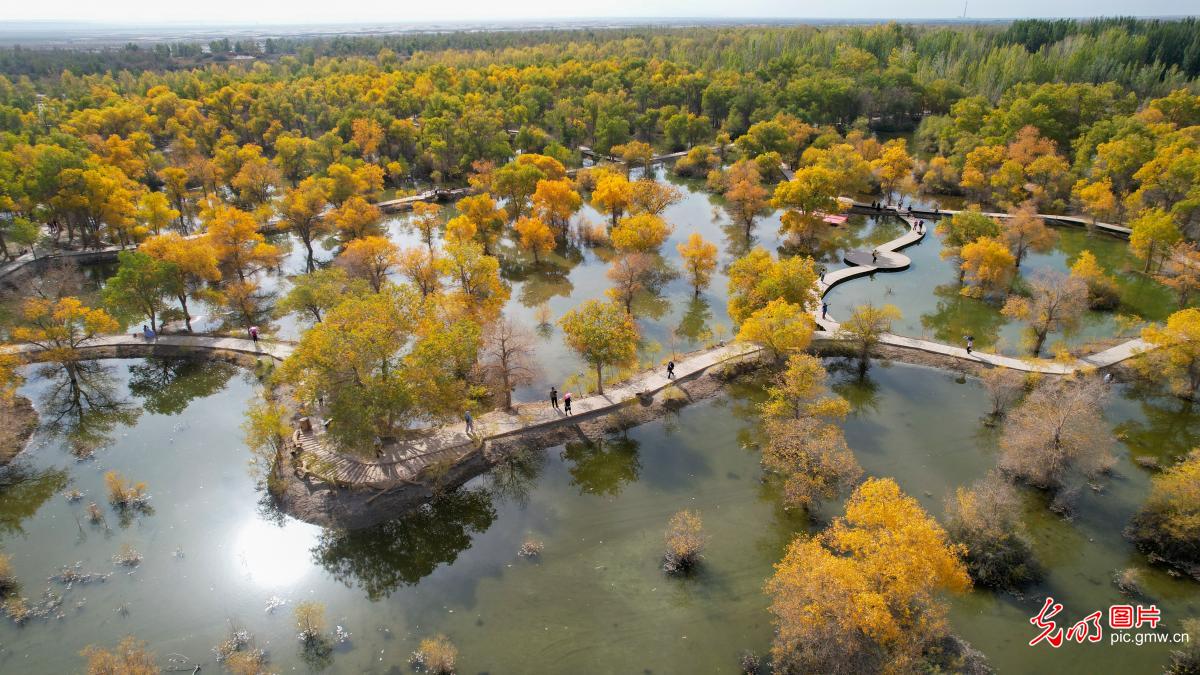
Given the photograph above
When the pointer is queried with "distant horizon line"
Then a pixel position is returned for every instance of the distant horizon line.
(10, 23)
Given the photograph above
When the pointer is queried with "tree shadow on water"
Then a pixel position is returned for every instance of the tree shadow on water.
(603, 466)
(168, 386)
(82, 405)
(404, 551)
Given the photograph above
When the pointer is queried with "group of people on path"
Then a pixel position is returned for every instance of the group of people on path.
(565, 409)
(566, 401)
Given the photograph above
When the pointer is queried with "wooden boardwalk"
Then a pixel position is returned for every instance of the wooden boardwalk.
(888, 259)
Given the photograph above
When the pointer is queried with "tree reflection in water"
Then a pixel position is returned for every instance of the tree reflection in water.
(604, 466)
(515, 476)
(958, 316)
(694, 321)
(1169, 429)
(168, 386)
(23, 490)
(403, 551)
(82, 405)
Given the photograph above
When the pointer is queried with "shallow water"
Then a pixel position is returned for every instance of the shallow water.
(927, 294)
(595, 601)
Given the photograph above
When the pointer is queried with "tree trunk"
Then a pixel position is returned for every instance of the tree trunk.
(307, 239)
(187, 318)
(600, 378)
(1041, 338)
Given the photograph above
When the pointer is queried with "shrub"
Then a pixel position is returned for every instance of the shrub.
(8, 578)
(310, 621)
(1186, 661)
(436, 655)
(1168, 525)
(986, 520)
(1129, 582)
(130, 657)
(685, 542)
(123, 493)
(812, 458)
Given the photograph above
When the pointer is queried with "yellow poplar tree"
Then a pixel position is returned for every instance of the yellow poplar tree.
(642, 232)
(988, 266)
(699, 260)
(865, 594)
(371, 258)
(536, 236)
(780, 326)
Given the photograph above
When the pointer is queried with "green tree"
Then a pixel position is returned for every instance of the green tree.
(140, 286)
(602, 333)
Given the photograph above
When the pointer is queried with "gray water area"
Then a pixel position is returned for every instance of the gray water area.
(595, 601)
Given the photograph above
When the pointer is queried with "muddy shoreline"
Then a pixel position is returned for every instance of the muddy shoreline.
(18, 420)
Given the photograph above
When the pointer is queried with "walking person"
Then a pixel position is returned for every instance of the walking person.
(470, 422)
(874, 256)
(567, 403)
(147, 333)
(824, 310)
(254, 334)
(553, 398)
(670, 370)
(970, 344)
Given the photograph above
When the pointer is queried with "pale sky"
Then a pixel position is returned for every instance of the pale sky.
(380, 11)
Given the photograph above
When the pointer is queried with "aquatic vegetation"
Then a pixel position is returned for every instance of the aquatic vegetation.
(435, 655)
(985, 520)
(123, 493)
(129, 657)
(531, 548)
(685, 541)
(1168, 525)
(128, 556)
(310, 621)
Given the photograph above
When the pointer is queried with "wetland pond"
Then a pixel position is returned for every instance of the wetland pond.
(596, 600)
(215, 556)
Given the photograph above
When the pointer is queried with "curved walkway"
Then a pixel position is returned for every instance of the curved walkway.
(451, 443)
(887, 259)
(126, 346)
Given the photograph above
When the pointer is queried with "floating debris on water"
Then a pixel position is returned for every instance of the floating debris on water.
(275, 602)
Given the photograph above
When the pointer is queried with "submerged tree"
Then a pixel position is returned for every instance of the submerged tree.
(985, 520)
(1177, 355)
(961, 229)
(1103, 291)
(812, 458)
(685, 543)
(865, 594)
(1003, 386)
(1025, 232)
(1168, 524)
(1057, 435)
(1056, 302)
(865, 328)
(780, 327)
(699, 261)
